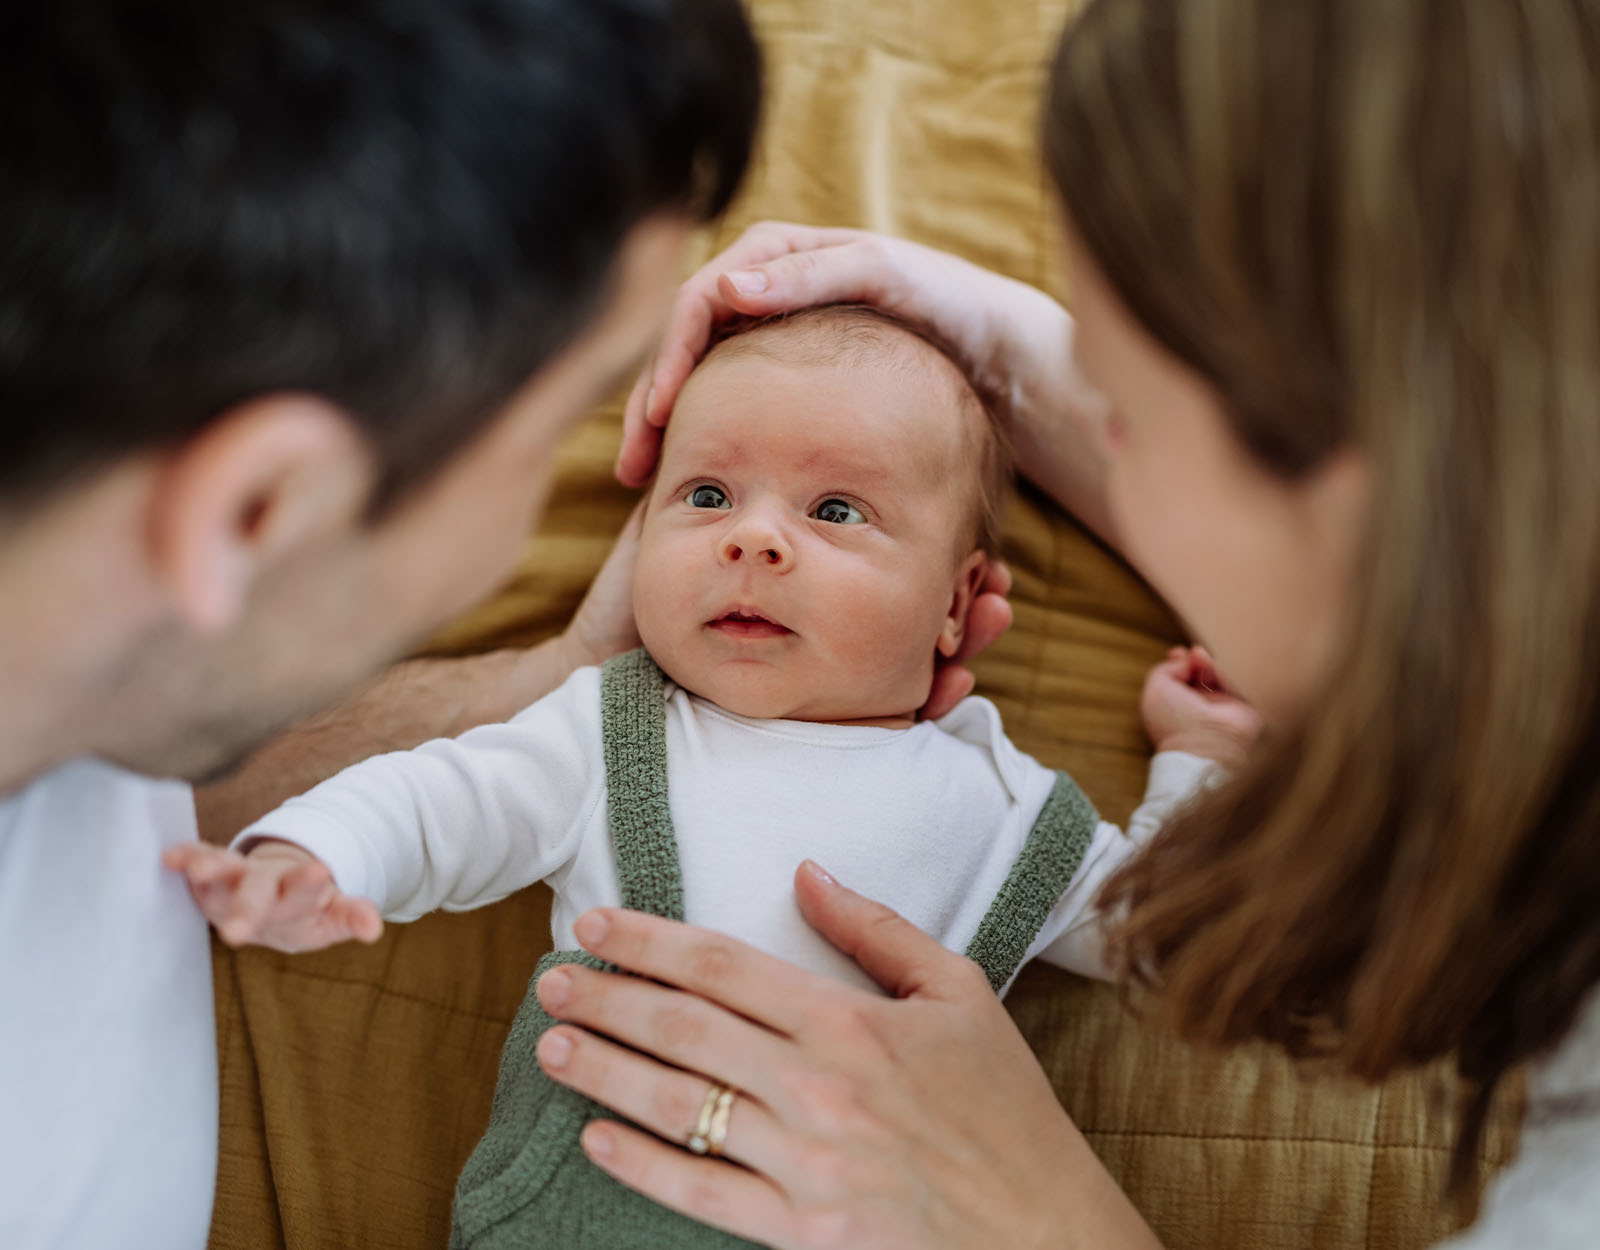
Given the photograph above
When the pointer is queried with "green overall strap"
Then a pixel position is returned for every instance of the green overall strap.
(1050, 859)
(633, 731)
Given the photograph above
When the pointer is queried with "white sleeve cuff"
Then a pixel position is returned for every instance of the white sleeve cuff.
(1176, 775)
(357, 870)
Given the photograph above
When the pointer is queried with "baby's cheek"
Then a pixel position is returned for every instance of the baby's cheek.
(658, 598)
(893, 630)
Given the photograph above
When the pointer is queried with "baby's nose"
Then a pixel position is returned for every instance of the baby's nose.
(762, 548)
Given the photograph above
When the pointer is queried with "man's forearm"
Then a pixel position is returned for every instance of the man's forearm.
(411, 703)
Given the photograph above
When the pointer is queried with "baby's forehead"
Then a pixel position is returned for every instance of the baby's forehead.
(846, 338)
(853, 346)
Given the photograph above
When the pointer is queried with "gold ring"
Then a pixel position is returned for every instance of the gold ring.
(712, 1129)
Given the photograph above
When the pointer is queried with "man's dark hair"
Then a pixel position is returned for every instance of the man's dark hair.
(405, 206)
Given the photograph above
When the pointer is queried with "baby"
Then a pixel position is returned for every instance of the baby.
(820, 523)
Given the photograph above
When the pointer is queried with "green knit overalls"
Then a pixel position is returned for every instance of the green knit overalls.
(528, 1183)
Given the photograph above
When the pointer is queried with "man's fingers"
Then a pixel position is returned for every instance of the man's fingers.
(951, 684)
(997, 579)
(890, 949)
(987, 619)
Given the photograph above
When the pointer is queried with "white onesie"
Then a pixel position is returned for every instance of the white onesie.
(927, 820)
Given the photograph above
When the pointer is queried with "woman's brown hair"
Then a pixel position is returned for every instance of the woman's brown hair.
(1375, 225)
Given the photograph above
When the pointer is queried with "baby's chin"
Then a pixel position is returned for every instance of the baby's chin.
(762, 693)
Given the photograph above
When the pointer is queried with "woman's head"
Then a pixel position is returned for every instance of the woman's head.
(1347, 249)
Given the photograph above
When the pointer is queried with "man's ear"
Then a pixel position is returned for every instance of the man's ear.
(969, 577)
(254, 486)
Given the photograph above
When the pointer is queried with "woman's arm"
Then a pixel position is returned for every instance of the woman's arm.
(1015, 342)
(919, 1120)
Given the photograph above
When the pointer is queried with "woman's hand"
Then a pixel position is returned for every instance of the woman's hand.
(919, 1120)
(1014, 341)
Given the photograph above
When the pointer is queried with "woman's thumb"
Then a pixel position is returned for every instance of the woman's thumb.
(891, 950)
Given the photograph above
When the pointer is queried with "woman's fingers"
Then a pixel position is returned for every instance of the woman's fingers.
(774, 263)
(767, 990)
(709, 1190)
(683, 1029)
(890, 949)
(665, 1100)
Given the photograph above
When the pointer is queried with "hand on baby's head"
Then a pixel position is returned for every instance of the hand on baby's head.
(1187, 707)
(278, 896)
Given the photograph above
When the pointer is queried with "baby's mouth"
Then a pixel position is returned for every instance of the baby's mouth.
(749, 624)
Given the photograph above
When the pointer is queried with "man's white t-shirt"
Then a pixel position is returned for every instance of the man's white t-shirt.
(108, 1059)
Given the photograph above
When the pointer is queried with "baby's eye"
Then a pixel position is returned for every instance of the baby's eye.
(706, 497)
(838, 512)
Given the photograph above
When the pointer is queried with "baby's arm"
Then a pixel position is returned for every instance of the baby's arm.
(1198, 730)
(455, 823)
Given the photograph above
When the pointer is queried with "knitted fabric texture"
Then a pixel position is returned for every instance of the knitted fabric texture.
(1050, 858)
(528, 1182)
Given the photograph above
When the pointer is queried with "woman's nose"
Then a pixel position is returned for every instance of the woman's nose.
(761, 543)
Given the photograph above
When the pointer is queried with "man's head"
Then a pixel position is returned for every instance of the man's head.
(822, 517)
(298, 297)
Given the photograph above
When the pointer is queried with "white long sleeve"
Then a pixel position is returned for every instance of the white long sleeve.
(458, 822)
(928, 820)
(1073, 937)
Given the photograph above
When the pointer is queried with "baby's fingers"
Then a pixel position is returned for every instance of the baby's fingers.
(202, 864)
(358, 917)
(246, 913)
(304, 893)
(311, 913)
(213, 875)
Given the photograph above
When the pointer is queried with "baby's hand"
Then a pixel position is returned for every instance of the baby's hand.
(278, 895)
(1186, 707)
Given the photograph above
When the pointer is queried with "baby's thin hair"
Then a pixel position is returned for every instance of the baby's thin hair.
(879, 340)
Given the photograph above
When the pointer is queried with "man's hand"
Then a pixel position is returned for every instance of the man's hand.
(603, 624)
(278, 895)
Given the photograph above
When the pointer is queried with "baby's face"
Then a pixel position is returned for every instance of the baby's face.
(803, 553)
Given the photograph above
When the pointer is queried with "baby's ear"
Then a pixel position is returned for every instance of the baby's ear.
(969, 577)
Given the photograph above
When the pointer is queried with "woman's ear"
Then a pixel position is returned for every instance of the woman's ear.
(255, 487)
(969, 577)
